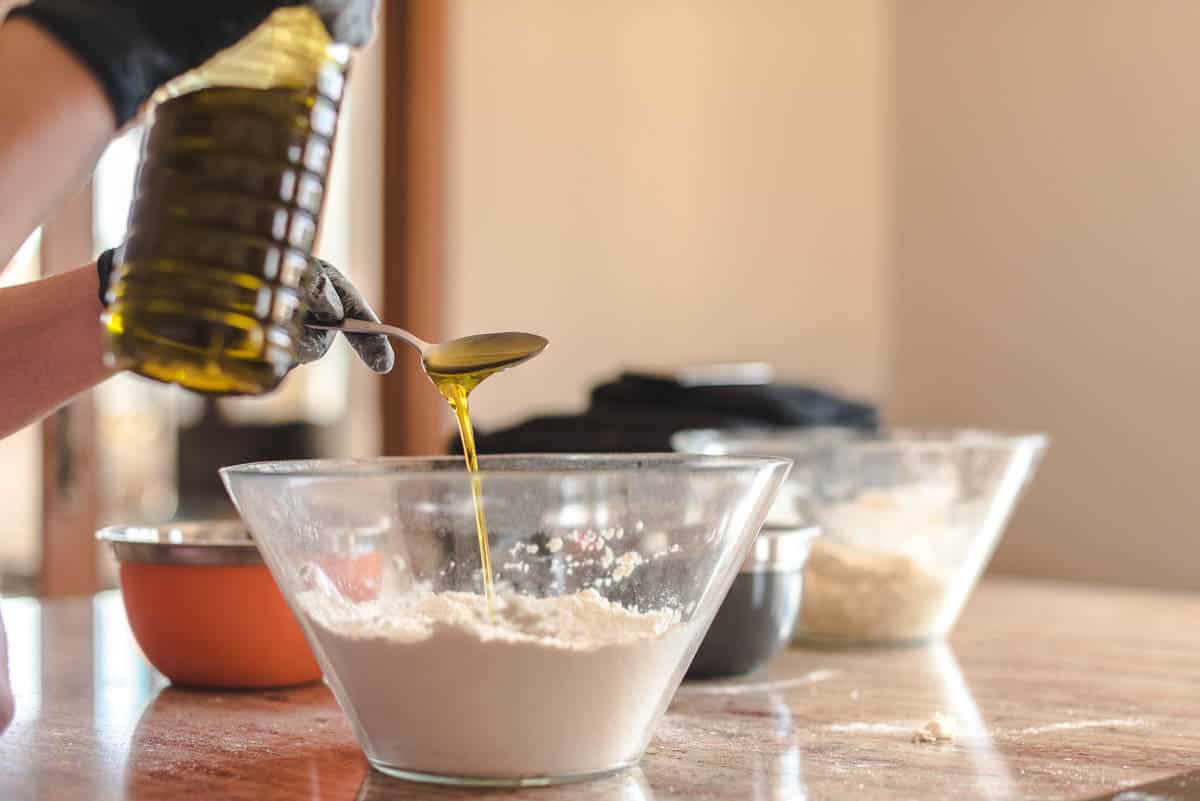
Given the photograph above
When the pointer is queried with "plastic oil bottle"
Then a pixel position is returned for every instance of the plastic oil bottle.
(207, 292)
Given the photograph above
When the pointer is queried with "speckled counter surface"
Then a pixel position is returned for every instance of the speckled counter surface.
(1060, 692)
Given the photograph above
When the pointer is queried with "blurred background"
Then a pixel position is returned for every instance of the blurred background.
(969, 212)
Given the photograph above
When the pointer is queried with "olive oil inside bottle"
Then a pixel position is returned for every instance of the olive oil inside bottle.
(208, 293)
(207, 290)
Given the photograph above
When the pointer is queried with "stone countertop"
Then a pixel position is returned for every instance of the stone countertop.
(1060, 692)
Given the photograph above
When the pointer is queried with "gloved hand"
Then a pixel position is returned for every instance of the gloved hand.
(350, 22)
(134, 46)
(331, 299)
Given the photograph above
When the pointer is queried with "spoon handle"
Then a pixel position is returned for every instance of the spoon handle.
(351, 326)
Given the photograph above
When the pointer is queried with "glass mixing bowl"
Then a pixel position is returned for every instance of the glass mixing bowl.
(909, 520)
(608, 571)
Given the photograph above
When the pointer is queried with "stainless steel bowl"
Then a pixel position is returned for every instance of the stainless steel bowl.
(200, 542)
(758, 614)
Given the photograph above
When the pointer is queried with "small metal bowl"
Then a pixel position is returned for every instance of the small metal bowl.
(204, 608)
(758, 615)
(212, 542)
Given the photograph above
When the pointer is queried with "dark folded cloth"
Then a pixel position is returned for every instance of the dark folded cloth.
(639, 414)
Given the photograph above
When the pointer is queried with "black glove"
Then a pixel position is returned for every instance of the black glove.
(331, 299)
(135, 46)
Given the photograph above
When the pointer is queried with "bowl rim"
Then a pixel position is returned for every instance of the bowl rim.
(792, 439)
(780, 550)
(577, 465)
(184, 542)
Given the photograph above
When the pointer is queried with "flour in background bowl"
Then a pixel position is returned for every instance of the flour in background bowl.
(883, 571)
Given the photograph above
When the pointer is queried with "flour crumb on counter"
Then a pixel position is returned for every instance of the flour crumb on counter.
(941, 729)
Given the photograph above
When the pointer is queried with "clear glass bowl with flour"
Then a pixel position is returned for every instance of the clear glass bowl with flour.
(909, 521)
(607, 572)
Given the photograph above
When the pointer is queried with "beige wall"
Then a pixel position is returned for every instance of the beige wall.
(687, 180)
(722, 180)
(1047, 205)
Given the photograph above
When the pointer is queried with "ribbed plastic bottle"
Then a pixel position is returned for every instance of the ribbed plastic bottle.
(206, 292)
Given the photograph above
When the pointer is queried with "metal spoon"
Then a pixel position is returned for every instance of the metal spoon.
(479, 353)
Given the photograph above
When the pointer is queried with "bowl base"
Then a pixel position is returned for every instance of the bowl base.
(494, 781)
(818, 642)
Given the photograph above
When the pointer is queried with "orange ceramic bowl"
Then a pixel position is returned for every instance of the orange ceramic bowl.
(205, 609)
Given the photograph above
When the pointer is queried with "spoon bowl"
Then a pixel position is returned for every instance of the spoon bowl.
(482, 353)
(471, 355)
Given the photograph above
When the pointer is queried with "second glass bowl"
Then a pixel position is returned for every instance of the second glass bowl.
(909, 520)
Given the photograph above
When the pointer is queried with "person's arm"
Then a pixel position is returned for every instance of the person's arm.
(56, 123)
(51, 345)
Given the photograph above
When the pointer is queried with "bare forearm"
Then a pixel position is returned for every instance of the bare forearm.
(51, 345)
(56, 123)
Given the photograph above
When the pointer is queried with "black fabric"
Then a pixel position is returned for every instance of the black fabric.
(638, 414)
(134, 46)
(104, 268)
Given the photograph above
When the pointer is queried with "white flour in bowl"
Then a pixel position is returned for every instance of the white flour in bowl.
(861, 595)
(883, 573)
(548, 687)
